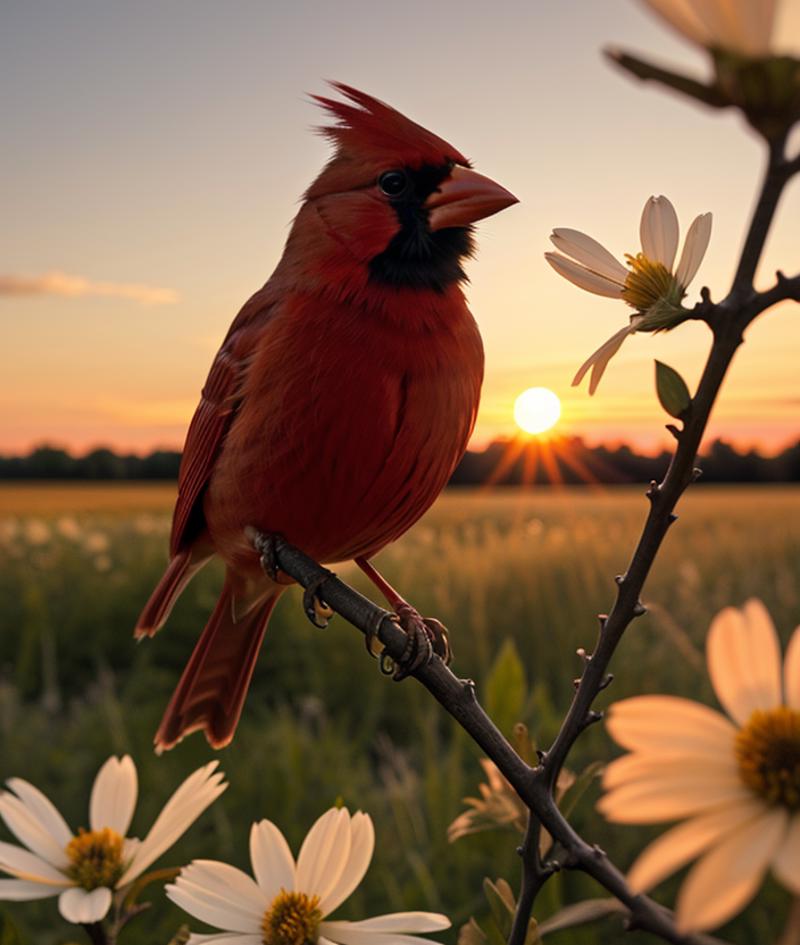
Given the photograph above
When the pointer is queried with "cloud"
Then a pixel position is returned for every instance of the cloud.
(61, 283)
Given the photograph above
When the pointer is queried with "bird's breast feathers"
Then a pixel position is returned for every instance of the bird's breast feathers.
(348, 427)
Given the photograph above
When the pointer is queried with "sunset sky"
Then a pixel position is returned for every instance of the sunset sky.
(153, 154)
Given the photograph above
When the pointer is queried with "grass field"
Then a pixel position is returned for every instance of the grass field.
(321, 723)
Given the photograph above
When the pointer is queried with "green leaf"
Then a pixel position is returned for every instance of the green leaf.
(501, 903)
(506, 687)
(472, 934)
(579, 787)
(590, 910)
(181, 937)
(672, 391)
(9, 934)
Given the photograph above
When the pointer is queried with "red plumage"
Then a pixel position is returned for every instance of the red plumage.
(342, 397)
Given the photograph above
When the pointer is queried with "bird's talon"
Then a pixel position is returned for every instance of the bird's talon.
(317, 611)
(386, 664)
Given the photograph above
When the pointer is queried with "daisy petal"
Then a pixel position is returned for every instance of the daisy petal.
(694, 249)
(196, 893)
(582, 277)
(589, 253)
(29, 829)
(659, 231)
(225, 938)
(25, 865)
(273, 863)
(599, 360)
(224, 885)
(81, 907)
(683, 843)
(362, 845)
(43, 809)
(670, 726)
(196, 793)
(681, 17)
(791, 671)
(637, 767)
(727, 877)
(786, 865)
(402, 922)
(744, 660)
(22, 890)
(324, 853)
(114, 795)
(348, 933)
(684, 794)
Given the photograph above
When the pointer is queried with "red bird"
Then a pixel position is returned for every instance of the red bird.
(342, 398)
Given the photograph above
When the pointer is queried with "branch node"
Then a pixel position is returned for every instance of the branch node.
(585, 657)
(652, 490)
(620, 579)
(469, 688)
(697, 472)
(603, 620)
(541, 755)
(598, 851)
(639, 609)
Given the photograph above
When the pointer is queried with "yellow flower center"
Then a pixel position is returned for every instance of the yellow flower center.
(768, 753)
(649, 282)
(95, 858)
(292, 919)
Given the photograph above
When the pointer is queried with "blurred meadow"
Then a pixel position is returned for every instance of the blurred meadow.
(517, 576)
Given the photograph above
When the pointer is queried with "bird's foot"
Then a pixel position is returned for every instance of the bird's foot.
(264, 543)
(426, 636)
(314, 607)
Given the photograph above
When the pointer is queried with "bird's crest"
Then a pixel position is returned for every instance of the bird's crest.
(369, 126)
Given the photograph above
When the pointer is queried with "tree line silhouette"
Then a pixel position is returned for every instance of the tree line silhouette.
(503, 462)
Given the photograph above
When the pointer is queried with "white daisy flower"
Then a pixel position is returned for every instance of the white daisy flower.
(287, 902)
(84, 869)
(735, 781)
(648, 284)
(739, 26)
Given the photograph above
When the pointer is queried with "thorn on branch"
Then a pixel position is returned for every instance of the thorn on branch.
(674, 431)
(697, 472)
(639, 609)
(597, 850)
(591, 718)
(606, 682)
(541, 755)
(469, 688)
(672, 518)
(781, 277)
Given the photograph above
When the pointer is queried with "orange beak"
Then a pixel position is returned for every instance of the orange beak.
(464, 198)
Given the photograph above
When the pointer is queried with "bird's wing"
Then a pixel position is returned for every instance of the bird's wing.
(219, 402)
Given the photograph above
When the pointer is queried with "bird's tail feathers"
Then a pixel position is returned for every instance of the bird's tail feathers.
(212, 689)
(181, 569)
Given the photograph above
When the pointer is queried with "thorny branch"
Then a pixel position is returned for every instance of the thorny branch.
(536, 785)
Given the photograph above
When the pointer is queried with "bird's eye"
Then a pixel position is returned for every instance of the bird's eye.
(393, 183)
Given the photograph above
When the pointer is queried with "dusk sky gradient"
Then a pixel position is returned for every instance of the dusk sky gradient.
(154, 154)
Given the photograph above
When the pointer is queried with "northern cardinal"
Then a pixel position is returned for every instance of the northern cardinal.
(343, 395)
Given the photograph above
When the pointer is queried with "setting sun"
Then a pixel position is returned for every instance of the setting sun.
(537, 409)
